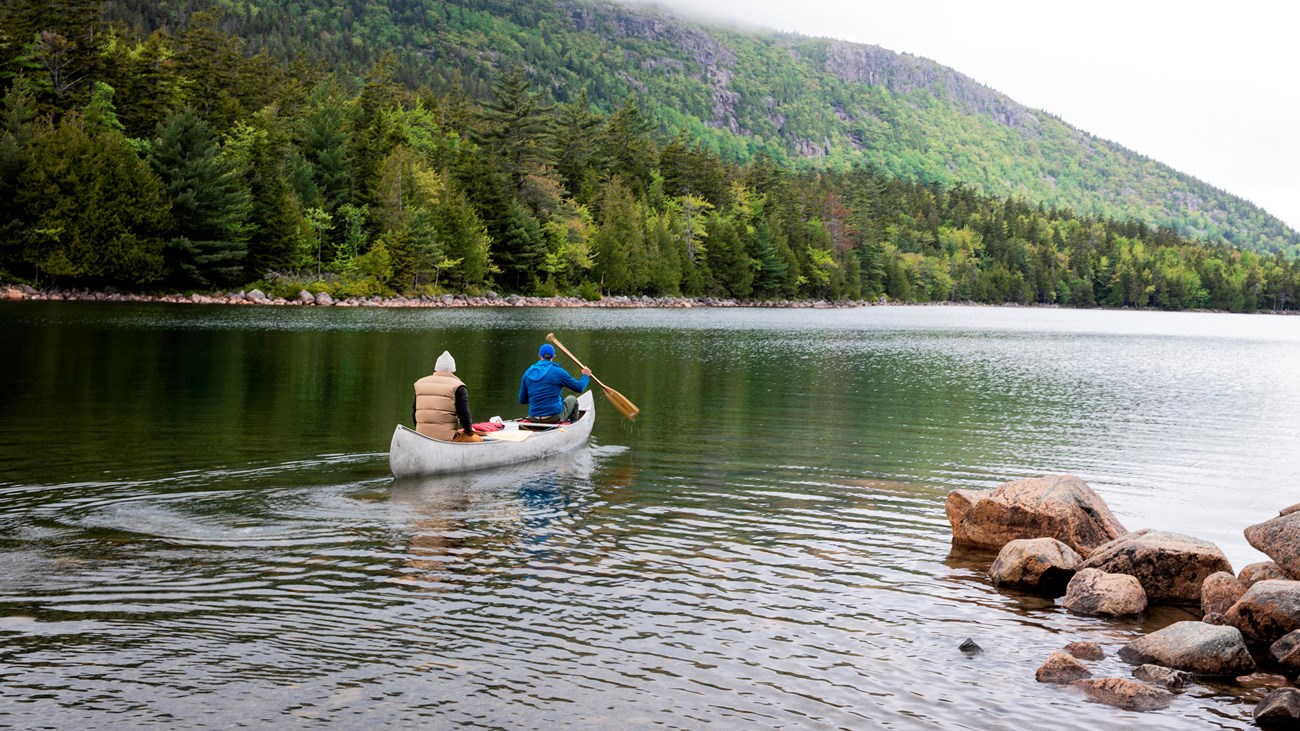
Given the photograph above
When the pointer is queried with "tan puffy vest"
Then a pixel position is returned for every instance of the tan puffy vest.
(435, 405)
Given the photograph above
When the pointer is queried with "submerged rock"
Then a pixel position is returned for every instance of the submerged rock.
(1262, 680)
(970, 648)
(1267, 611)
(1035, 564)
(1196, 647)
(1124, 693)
(1061, 669)
(1170, 566)
(1095, 593)
(1055, 506)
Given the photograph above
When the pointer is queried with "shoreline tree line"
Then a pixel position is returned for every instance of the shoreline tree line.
(178, 161)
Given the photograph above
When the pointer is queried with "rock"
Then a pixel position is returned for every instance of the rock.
(1279, 539)
(1171, 566)
(1267, 611)
(1279, 709)
(13, 293)
(306, 298)
(970, 648)
(1220, 591)
(1196, 647)
(1086, 650)
(1262, 680)
(1056, 506)
(1166, 678)
(1096, 593)
(1216, 618)
(1262, 571)
(1061, 669)
(324, 299)
(1287, 651)
(1036, 564)
(256, 295)
(1289, 510)
(1124, 693)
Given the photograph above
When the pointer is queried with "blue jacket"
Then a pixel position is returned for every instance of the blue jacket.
(542, 387)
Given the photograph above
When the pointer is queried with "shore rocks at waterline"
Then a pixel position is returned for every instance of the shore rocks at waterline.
(1085, 650)
(1253, 573)
(1279, 539)
(1062, 669)
(1219, 592)
(1171, 566)
(1055, 506)
(1042, 565)
(1267, 611)
(1095, 593)
(1203, 649)
(1124, 693)
(489, 299)
(1279, 709)
(1167, 678)
(1287, 651)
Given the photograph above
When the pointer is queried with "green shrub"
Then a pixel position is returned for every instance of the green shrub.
(589, 291)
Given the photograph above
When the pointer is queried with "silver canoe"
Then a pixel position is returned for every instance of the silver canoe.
(412, 454)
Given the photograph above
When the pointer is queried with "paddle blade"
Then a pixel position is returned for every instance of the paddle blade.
(620, 402)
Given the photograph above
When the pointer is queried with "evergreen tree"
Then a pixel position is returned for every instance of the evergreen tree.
(96, 211)
(16, 129)
(210, 200)
(515, 129)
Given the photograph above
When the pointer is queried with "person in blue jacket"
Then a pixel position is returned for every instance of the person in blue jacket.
(544, 383)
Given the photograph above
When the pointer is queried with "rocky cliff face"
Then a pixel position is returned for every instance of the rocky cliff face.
(899, 73)
(905, 75)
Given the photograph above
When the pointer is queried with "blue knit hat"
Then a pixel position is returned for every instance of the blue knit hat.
(546, 351)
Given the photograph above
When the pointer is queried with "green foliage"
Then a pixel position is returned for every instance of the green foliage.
(210, 199)
(688, 161)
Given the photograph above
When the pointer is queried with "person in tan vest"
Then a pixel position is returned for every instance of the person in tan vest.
(441, 408)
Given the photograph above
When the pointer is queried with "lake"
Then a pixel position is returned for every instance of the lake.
(198, 528)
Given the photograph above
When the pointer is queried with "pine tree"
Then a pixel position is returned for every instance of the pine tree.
(515, 128)
(210, 199)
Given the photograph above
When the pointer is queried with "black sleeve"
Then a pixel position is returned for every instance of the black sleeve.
(462, 408)
(413, 399)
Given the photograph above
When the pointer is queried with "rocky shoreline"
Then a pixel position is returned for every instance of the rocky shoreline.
(1055, 536)
(490, 299)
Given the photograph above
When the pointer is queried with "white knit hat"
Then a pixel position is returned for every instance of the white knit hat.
(445, 363)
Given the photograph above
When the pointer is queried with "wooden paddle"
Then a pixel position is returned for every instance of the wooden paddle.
(620, 402)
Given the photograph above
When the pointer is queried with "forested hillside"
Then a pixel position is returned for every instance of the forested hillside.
(807, 101)
(184, 157)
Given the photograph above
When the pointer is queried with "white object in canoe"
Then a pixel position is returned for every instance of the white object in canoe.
(412, 454)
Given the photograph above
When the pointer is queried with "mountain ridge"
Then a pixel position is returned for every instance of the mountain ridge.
(891, 109)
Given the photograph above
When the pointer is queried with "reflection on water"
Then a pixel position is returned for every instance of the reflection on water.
(197, 528)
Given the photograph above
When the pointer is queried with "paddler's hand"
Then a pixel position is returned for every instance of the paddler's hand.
(586, 371)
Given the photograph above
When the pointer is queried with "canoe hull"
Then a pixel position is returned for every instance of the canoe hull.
(412, 454)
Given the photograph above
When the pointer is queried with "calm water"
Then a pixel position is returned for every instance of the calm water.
(197, 528)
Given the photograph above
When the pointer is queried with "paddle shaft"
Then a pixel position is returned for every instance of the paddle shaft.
(620, 402)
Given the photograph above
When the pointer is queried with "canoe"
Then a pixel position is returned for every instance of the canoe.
(412, 454)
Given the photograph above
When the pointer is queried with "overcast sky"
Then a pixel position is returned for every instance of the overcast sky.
(1210, 89)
